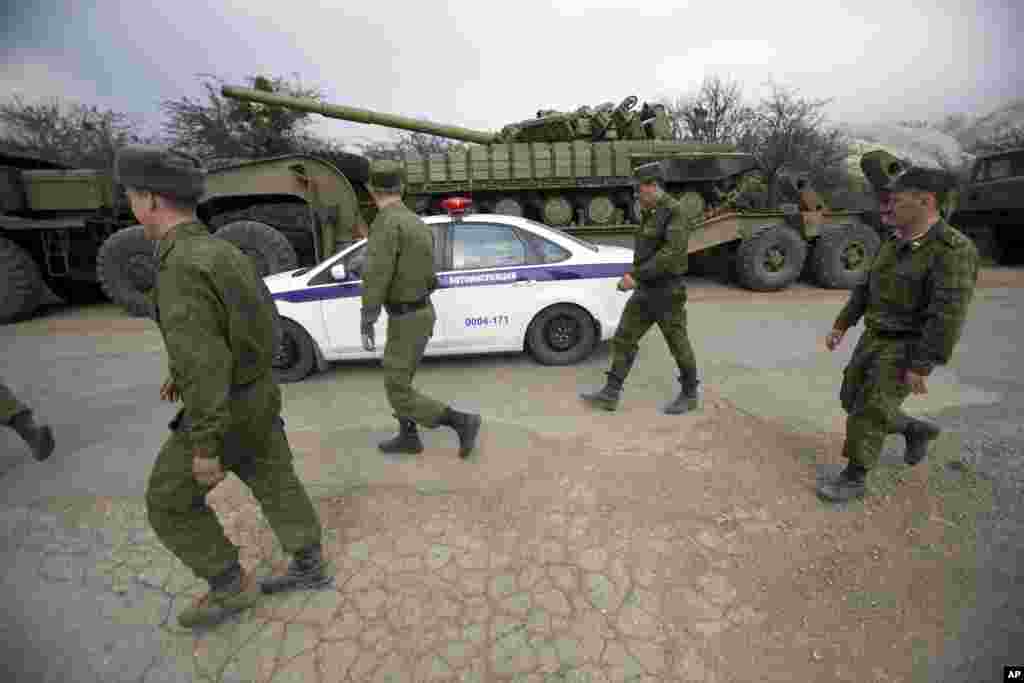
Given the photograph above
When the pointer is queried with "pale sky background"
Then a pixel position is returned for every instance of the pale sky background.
(482, 65)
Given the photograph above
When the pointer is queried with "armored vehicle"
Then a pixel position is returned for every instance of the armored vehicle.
(561, 168)
(72, 229)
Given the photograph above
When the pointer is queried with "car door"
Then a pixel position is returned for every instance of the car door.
(486, 300)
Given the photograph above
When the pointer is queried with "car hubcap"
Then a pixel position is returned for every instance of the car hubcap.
(286, 353)
(774, 259)
(563, 333)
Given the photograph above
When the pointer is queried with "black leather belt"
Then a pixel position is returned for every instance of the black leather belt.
(403, 308)
(896, 334)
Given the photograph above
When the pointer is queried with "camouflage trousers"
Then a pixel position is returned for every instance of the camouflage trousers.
(667, 308)
(9, 405)
(407, 340)
(256, 450)
(872, 393)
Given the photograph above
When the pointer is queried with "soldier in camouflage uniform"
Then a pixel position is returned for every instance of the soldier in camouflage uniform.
(914, 304)
(659, 262)
(18, 417)
(398, 275)
(220, 328)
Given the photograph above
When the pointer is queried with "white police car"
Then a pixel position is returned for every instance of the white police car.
(506, 284)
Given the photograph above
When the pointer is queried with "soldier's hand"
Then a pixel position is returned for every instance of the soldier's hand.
(169, 391)
(916, 382)
(206, 470)
(369, 341)
(626, 283)
(834, 338)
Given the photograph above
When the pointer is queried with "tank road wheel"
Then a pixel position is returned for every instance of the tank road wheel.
(843, 254)
(771, 259)
(562, 334)
(127, 270)
(509, 206)
(295, 358)
(557, 210)
(599, 210)
(270, 251)
(21, 285)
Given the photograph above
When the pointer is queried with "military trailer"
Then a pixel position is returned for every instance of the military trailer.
(72, 229)
(574, 171)
(991, 206)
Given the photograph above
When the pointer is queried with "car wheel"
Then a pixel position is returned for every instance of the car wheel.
(561, 335)
(296, 356)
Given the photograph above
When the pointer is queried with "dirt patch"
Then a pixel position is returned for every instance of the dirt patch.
(696, 545)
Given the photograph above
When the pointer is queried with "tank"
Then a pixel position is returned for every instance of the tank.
(561, 168)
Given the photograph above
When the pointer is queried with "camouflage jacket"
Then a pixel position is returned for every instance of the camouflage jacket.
(660, 257)
(399, 259)
(218, 322)
(921, 289)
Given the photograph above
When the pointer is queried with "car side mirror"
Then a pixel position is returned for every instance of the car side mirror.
(338, 272)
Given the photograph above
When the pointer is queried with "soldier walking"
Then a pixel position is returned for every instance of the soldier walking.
(18, 417)
(659, 262)
(399, 275)
(220, 329)
(914, 304)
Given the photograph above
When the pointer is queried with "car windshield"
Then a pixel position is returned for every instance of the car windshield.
(562, 233)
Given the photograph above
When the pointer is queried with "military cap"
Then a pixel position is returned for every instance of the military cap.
(924, 179)
(161, 170)
(386, 176)
(648, 173)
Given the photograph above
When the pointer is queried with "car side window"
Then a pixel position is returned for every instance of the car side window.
(355, 262)
(439, 232)
(486, 246)
(548, 251)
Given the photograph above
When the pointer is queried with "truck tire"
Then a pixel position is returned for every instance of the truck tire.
(269, 250)
(562, 334)
(843, 255)
(127, 270)
(772, 259)
(20, 280)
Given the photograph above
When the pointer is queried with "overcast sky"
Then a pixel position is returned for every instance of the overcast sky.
(484, 64)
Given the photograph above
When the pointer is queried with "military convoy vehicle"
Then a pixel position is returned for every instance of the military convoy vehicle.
(991, 206)
(72, 229)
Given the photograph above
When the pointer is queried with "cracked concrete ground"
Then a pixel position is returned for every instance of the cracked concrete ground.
(574, 546)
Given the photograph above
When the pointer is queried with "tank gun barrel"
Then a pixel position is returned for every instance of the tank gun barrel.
(337, 111)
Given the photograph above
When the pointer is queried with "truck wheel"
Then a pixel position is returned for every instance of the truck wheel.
(562, 334)
(843, 254)
(21, 282)
(295, 359)
(127, 270)
(771, 259)
(270, 251)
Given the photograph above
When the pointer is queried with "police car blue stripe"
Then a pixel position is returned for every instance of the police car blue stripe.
(469, 279)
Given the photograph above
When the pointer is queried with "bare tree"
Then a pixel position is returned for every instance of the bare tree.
(234, 129)
(1005, 137)
(788, 132)
(74, 134)
(715, 114)
(408, 143)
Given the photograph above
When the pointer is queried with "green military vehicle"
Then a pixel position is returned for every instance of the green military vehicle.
(72, 229)
(574, 171)
(991, 206)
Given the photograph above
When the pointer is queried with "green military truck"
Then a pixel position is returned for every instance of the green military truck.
(991, 206)
(72, 229)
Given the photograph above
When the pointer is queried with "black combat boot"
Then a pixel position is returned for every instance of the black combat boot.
(846, 485)
(406, 441)
(919, 435)
(306, 571)
(466, 425)
(606, 397)
(39, 439)
(687, 400)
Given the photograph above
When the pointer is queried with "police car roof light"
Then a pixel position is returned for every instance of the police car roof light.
(456, 206)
